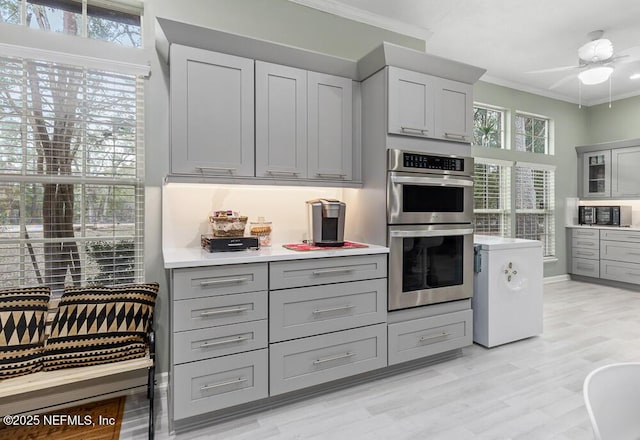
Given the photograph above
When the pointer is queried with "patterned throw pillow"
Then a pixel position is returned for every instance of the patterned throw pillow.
(23, 314)
(97, 325)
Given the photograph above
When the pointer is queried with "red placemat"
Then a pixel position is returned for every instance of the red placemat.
(307, 247)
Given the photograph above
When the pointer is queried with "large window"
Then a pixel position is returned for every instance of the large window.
(488, 126)
(532, 133)
(492, 197)
(535, 204)
(71, 175)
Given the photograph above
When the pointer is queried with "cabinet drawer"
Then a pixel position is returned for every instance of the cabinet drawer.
(318, 359)
(622, 235)
(205, 386)
(585, 243)
(593, 234)
(589, 254)
(627, 252)
(300, 273)
(196, 345)
(307, 311)
(222, 280)
(191, 314)
(618, 271)
(585, 267)
(428, 336)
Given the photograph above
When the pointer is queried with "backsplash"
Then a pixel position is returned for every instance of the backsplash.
(186, 208)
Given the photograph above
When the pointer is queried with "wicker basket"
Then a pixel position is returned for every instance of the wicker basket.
(228, 226)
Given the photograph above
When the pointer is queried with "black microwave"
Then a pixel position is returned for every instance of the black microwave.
(618, 215)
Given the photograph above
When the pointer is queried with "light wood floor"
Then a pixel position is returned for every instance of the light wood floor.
(531, 389)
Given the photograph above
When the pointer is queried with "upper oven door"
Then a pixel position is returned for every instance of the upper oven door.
(417, 198)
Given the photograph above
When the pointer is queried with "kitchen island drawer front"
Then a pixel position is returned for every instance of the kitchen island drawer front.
(593, 234)
(307, 311)
(588, 254)
(205, 386)
(585, 267)
(191, 314)
(220, 280)
(196, 345)
(621, 235)
(318, 359)
(585, 243)
(618, 271)
(428, 336)
(300, 273)
(627, 252)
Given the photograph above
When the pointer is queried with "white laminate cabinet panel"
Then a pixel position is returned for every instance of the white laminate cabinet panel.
(627, 252)
(191, 314)
(219, 280)
(428, 336)
(620, 235)
(307, 311)
(311, 361)
(586, 243)
(196, 345)
(585, 267)
(620, 271)
(593, 234)
(300, 273)
(209, 385)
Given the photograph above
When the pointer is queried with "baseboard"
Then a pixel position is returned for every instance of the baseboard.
(557, 279)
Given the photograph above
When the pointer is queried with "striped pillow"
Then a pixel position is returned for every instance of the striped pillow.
(97, 325)
(23, 314)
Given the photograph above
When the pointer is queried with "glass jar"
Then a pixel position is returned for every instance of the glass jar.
(262, 230)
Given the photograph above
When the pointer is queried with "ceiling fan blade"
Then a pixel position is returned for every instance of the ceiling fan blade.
(555, 69)
(628, 55)
(563, 80)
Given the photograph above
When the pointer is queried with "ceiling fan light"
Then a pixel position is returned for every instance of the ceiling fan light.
(595, 75)
(596, 50)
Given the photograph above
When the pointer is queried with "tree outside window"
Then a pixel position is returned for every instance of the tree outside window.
(488, 126)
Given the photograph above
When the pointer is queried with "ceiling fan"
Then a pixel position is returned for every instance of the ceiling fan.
(596, 61)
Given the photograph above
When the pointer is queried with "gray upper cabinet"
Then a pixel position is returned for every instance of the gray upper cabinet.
(596, 174)
(281, 121)
(212, 104)
(454, 111)
(330, 108)
(625, 179)
(411, 103)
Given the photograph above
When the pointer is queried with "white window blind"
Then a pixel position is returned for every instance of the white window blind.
(535, 204)
(492, 197)
(71, 175)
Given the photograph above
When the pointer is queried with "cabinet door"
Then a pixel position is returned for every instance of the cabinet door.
(330, 102)
(625, 175)
(411, 105)
(212, 102)
(281, 121)
(454, 111)
(596, 174)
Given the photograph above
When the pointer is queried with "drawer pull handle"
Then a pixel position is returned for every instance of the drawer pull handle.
(282, 173)
(585, 233)
(583, 267)
(223, 384)
(417, 130)
(631, 274)
(223, 311)
(226, 341)
(223, 281)
(634, 253)
(589, 254)
(429, 338)
(456, 136)
(586, 243)
(333, 358)
(331, 271)
(217, 169)
(330, 175)
(334, 309)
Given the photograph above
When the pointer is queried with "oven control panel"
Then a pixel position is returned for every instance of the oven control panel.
(424, 161)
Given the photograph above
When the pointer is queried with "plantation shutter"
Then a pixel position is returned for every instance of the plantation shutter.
(492, 197)
(71, 175)
(535, 204)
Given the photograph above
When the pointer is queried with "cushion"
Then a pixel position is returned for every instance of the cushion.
(23, 314)
(97, 325)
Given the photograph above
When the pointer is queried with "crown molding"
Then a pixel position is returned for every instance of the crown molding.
(356, 14)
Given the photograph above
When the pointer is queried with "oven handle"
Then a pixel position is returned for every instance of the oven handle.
(437, 233)
(431, 181)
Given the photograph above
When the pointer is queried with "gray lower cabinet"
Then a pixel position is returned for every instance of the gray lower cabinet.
(620, 271)
(311, 361)
(584, 267)
(585, 252)
(428, 336)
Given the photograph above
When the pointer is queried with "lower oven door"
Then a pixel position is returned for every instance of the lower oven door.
(429, 264)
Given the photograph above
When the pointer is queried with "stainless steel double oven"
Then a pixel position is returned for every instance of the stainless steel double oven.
(429, 228)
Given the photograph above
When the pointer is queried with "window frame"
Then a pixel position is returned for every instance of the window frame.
(504, 119)
(548, 144)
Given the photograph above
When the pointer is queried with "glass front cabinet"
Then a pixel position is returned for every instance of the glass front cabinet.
(596, 174)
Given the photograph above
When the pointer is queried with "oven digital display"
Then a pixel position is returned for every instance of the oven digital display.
(423, 161)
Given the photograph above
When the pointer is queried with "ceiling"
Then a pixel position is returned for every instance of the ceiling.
(511, 38)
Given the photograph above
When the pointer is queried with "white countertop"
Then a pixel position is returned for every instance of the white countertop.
(617, 228)
(490, 242)
(193, 257)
